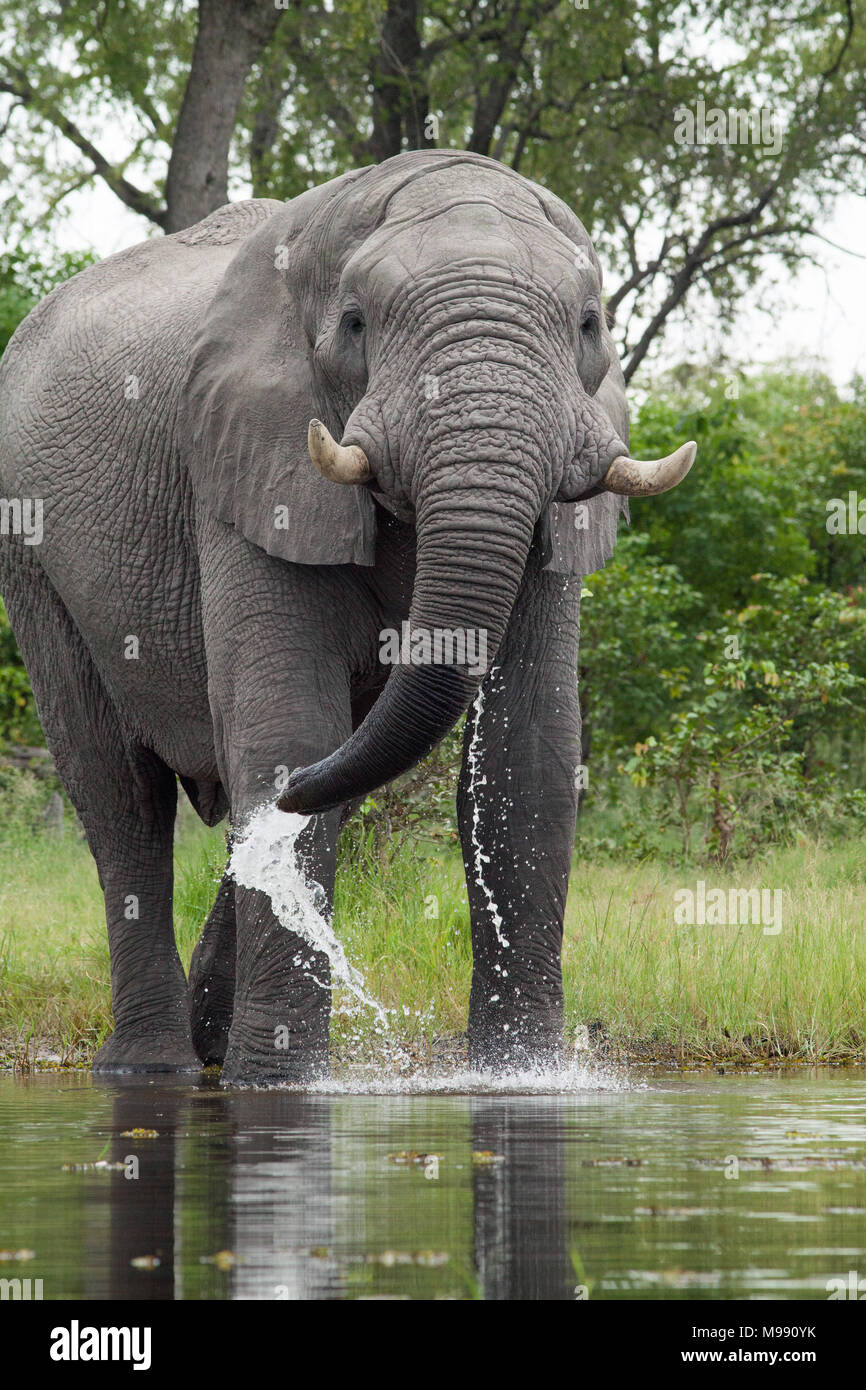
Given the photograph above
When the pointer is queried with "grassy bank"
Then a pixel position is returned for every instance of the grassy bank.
(637, 984)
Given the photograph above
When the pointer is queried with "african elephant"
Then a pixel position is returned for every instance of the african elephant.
(206, 605)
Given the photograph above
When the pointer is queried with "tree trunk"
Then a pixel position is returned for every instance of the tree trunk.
(400, 95)
(231, 37)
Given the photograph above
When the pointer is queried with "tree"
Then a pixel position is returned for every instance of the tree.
(278, 96)
(191, 106)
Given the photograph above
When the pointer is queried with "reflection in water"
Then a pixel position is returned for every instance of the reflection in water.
(520, 1247)
(266, 1196)
(255, 1167)
(141, 1213)
(279, 1195)
(282, 1203)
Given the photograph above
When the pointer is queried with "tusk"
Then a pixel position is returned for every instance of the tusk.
(334, 461)
(634, 478)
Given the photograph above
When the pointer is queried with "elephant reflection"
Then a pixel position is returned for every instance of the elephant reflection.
(286, 1195)
(519, 1203)
(230, 1200)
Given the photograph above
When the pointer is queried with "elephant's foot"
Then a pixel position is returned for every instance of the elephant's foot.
(292, 1053)
(515, 1017)
(128, 1050)
(211, 1003)
(514, 1043)
(211, 988)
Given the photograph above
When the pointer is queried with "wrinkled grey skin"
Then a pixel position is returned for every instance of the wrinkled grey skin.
(443, 313)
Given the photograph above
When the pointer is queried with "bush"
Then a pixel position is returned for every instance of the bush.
(737, 757)
(23, 799)
(19, 722)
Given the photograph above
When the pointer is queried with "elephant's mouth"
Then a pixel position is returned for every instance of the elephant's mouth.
(467, 578)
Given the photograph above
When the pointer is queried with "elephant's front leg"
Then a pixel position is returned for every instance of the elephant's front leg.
(278, 670)
(282, 1005)
(282, 1008)
(517, 803)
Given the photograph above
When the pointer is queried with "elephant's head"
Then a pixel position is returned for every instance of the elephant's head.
(433, 328)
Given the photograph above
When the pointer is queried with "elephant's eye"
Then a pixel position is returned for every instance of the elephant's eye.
(353, 325)
(589, 322)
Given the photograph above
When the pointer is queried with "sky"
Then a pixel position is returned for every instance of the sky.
(818, 314)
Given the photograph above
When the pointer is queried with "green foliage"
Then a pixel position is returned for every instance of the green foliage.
(26, 278)
(773, 450)
(737, 760)
(724, 651)
(735, 514)
(19, 722)
(823, 445)
(637, 616)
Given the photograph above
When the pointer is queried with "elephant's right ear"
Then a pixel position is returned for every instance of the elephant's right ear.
(249, 399)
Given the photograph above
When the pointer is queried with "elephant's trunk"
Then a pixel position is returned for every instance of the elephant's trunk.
(469, 568)
(478, 492)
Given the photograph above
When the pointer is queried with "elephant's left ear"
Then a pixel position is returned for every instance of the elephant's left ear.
(248, 401)
(579, 537)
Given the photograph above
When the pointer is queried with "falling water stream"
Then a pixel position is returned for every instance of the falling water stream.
(479, 858)
(266, 857)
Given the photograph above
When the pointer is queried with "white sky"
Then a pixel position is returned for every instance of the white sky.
(815, 316)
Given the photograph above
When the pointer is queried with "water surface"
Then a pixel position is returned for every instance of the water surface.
(697, 1186)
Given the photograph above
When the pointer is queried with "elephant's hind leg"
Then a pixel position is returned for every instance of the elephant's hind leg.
(212, 977)
(126, 798)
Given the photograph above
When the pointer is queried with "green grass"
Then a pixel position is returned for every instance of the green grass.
(54, 973)
(656, 989)
(724, 991)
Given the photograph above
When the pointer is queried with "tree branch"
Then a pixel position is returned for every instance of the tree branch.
(16, 84)
(694, 261)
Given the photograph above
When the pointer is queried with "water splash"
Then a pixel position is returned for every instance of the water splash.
(575, 1079)
(265, 857)
(479, 858)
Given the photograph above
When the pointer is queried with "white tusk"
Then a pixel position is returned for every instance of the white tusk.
(334, 461)
(634, 478)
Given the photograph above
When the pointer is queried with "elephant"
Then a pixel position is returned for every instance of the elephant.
(205, 606)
